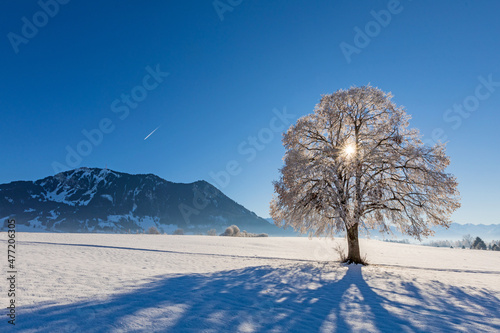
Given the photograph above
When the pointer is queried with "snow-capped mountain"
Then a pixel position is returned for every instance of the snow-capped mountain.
(102, 200)
(456, 231)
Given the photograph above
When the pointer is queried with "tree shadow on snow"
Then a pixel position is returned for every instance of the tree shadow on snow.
(290, 298)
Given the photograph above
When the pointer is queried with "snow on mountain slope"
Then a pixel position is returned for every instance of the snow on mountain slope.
(159, 283)
(102, 200)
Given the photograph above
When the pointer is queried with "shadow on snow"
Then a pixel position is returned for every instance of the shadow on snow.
(290, 298)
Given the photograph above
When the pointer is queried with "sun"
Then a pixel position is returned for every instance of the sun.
(350, 150)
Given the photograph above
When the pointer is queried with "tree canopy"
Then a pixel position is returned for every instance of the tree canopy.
(355, 161)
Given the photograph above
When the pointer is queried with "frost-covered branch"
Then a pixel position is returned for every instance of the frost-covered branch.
(356, 161)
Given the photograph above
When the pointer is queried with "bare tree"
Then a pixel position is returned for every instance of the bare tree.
(467, 240)
(354, 162)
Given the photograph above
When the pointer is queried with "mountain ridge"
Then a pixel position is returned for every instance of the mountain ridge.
(103, 200)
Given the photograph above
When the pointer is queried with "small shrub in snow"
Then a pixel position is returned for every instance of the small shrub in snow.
(341, 252)
(232, 231)
(236, 230)
(212, 232)
(179, 232)
(153, 231)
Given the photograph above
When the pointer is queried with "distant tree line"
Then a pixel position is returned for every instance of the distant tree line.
(401, 241)
(467, 242)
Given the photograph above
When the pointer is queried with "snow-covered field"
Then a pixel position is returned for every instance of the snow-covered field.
(160, 283)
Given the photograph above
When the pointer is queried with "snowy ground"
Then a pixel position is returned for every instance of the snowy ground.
(159, 283)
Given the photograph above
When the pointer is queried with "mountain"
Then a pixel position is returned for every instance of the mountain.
(102, 200)
(456, 231)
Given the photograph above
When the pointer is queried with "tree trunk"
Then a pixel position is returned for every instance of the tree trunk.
(353, 255)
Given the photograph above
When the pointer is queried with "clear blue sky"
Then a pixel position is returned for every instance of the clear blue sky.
(227, 76)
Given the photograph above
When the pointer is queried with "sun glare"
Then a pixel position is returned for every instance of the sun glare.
(350, 150)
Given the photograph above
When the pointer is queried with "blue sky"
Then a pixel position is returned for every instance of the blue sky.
(237, 74)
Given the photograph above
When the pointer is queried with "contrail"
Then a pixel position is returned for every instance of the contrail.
(151, 132)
